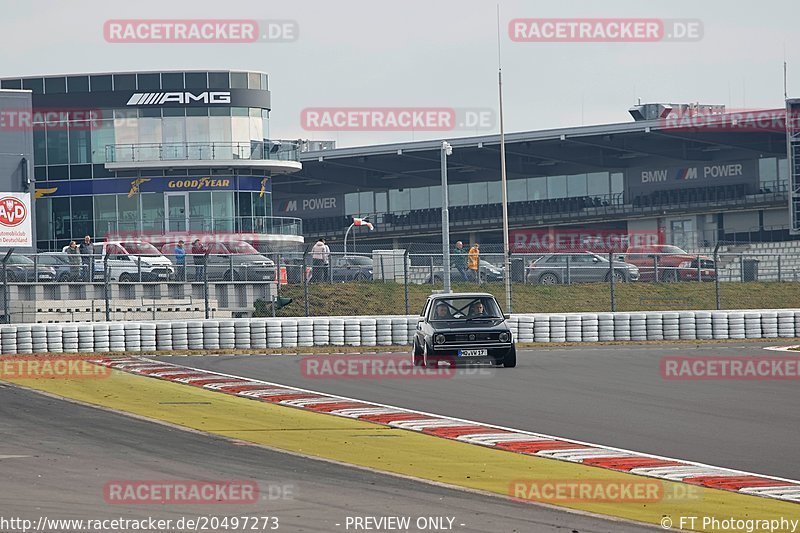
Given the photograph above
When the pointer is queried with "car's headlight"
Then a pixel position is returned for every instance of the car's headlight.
(439, 338)
(505, 336)
(685, 264)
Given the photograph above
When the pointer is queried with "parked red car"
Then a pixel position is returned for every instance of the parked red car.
(671, 263)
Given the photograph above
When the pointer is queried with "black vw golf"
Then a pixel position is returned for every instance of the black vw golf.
(463, 328)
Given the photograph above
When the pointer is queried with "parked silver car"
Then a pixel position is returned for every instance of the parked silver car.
(552, 269)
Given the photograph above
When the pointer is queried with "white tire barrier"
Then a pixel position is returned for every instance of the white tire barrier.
(277, 333)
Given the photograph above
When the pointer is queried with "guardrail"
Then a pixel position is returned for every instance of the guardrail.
(279, 333)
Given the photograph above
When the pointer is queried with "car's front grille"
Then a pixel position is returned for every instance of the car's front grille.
(704, 263)
(481, 336)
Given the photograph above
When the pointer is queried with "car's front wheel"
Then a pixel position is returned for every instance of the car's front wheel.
(510, 360)
(431, 363)
(417, 355)
(548, 278)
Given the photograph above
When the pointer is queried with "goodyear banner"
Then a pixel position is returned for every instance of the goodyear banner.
(16, 228)
(133, 186)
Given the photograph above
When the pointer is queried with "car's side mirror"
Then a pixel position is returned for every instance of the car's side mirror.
(506, 316)
(420, 319)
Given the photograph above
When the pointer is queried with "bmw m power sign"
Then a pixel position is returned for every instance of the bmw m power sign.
(16, 228)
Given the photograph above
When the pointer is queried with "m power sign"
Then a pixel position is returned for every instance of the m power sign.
(310, 207)
(644, 180)
(16, 227)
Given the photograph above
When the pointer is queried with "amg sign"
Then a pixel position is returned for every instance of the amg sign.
(181, 97)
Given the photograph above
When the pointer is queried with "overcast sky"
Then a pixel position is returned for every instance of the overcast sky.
(435, 53)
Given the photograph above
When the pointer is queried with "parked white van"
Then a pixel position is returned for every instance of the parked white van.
(127, 260)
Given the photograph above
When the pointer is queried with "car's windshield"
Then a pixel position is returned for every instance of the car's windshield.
(463, 308)
(241, 247)
(140, 248)
(359, 260)
(14, 259)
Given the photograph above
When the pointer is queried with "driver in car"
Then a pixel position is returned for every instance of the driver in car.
(477, 309)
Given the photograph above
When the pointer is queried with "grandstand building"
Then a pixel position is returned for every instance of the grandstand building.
(695, 174)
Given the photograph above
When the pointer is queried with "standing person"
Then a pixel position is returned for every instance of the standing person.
(459, 260)
(74, 261)
(86, 250)
(199, 257)
(180, 262)
(326, 261)
(475, 261)
(318, 256)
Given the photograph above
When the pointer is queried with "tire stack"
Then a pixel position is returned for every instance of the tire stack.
(719, 325)
(513, 326)
(352, 331)
(655, 326)
(180, 335)
(605, 326)
(672, 326)
(736, 325)
(399, 330)
(687, 326)
(242, 331)
(289, 333)
(574, 328)
(322, 332)
(752, 325)
(769, 324)
(25, 338)
(149, 337)
(164, 340)
(258, 334)
(133, 337)
(590, 329)
(8, 340)
(533, 329)
(227, 334)
(369, 332)
(70, 334)
(622, 327)
(39, 336)
(102, 344)
(786, 323)
(411, 322)
(305, 332)
(194, 335)
(638, 327)
(797, 323)
(55, 339)
(384, 328)
(336, 331)
(274, 333)
(116, 336)
(85, 338)
(704, 325)
(558, 328)
(211, 335)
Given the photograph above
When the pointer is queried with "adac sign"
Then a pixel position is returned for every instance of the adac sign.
(198, 184)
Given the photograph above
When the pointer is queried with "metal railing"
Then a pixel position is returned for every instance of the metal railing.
(278, 150)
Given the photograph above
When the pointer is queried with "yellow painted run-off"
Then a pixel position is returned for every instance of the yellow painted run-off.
(400, 451)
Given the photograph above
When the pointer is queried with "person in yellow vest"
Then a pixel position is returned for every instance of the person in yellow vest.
(474, 261)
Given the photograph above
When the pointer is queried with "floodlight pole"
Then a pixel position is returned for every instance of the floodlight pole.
(446, 150)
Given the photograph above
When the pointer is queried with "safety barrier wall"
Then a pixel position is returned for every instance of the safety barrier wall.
(262, 333)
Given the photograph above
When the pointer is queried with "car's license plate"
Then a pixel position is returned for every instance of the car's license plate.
(473, 353)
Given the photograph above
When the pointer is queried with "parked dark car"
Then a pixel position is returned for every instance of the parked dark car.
(463, 328)
(552, 269)
(21, 268)
(229, 261)
(488, 272)
(672, 263)
(351, 268)
(59, 261)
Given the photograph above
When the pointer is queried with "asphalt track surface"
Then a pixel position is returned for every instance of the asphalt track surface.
(612, 395)
(70, 451)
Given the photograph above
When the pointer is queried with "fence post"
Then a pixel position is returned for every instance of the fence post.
(205, 285)
(569, 272)
(611, 280)
(305, 282)
(138, 269)
(230, 268)
(655, 267)
(432, 278)
(6, 318)
(779, 268)
(107, 288)
(741, 267)
(716, 275)
(699, 272)
(405, 278)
